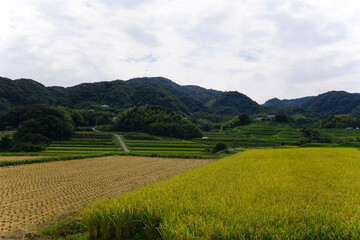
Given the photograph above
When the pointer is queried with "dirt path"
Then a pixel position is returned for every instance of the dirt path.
(123, 145)
(32, 194)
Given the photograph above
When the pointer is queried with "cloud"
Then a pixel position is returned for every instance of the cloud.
(262, 48)
(322, 70)
(250, 55)
(147, 58)
(128, 4)
(306, 32)
(208, 31)
(140, 35)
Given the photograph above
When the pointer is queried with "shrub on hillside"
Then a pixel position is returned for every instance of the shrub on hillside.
(239, 120)
(27, 147)
(219, 147)
(34, 138)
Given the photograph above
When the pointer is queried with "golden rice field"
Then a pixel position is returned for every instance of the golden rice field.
(31, 194)
(310, 193)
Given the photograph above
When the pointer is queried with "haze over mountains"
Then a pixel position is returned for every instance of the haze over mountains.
(194, 101)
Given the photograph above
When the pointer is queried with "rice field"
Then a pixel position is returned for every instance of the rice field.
(342, 135)
(311, 193)
(167, 146)
(15, 158)
(84, 145)
(32, 194)
(258, 134)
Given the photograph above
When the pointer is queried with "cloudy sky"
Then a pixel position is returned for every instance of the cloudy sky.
(262, 48)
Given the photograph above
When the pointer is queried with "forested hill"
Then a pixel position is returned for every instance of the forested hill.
(119, 95)
(195, 101)
(23, 92)
(330, 103)
(287, 102)
(334, 102)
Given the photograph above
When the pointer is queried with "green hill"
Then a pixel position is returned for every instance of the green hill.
(204, 95)
(287, 102)
(194, 101)
(234, 102)
(332, 103)
(119, 95)
(122, 95)
(190, 101)
(21, 92)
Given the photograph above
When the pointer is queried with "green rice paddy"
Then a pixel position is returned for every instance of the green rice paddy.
(171, 146)
(85, 145)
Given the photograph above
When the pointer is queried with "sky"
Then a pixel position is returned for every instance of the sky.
(262, 48)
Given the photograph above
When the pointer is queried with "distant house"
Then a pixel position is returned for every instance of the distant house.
(204, 137)
(259, 119)
(271, 117)
(105, 105)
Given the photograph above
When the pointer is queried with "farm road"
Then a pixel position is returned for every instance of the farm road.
(123, 145)
(32, 194)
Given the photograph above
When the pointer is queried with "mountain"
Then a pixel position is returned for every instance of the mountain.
(190, 101)
(204, 95)
(20, 92)
(230, 102)
(122, 95)
(116, 95)
(287, 102)
(334, 102)
(193, 101)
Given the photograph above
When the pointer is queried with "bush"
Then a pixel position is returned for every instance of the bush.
(219, 147)
(5, 143)
(34, 138)
(51, 127)
(281, 118)
(27, 147)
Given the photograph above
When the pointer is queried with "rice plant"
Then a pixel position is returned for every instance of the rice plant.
(258, 194)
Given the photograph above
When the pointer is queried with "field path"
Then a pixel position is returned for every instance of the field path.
(32, 194)
(123, 145)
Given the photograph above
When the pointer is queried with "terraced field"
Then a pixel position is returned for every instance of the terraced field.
(146, 146)
(31, 194)
(83, 145)
(342, 135)
(261, 134)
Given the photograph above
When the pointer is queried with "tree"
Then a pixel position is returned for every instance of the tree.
(281, 118)
(155, 120)
(219, 147)
(239, 120)
(5, 143)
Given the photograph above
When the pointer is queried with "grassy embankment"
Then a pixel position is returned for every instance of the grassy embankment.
(274, 193)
